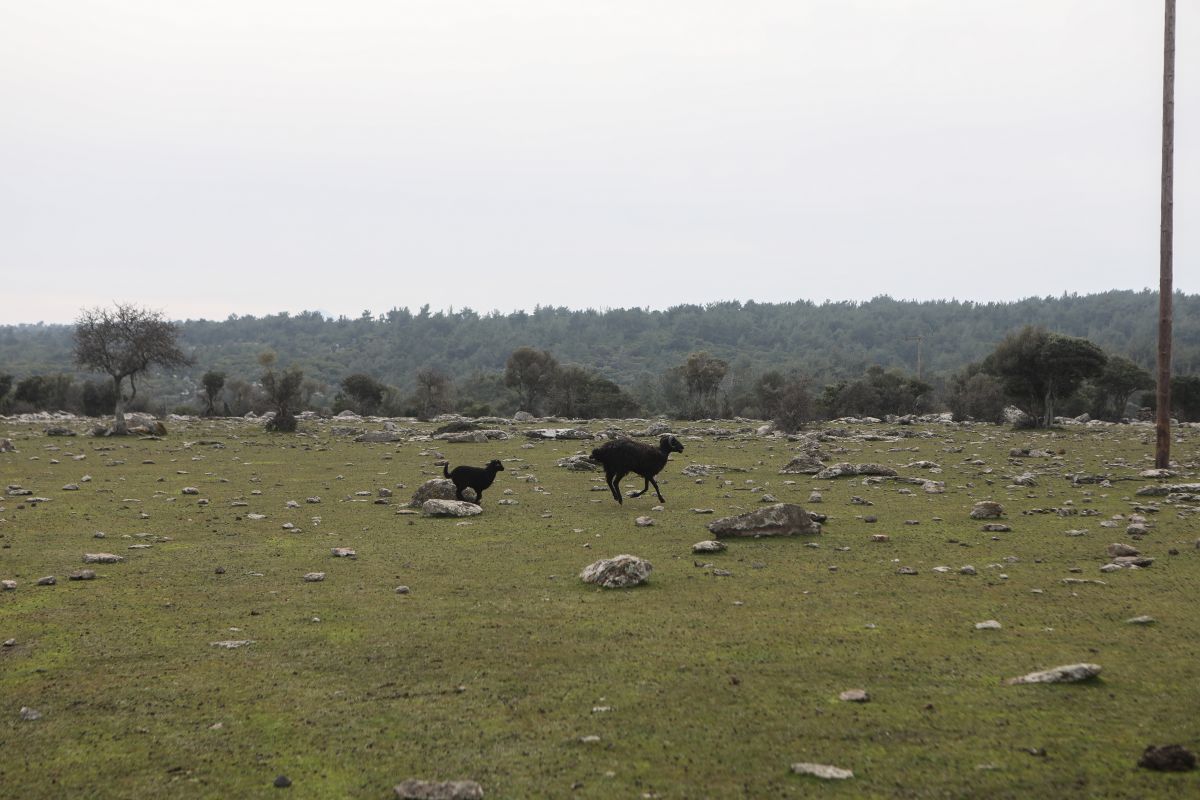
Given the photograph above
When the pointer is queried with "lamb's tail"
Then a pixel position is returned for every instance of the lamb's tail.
(445, 468)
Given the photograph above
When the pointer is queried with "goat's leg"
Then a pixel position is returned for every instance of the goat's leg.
(661, 499)
(610, 480)
(645, 487)
(616, 486)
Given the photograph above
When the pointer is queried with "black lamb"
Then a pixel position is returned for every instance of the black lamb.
(623, 456)
(476, 478)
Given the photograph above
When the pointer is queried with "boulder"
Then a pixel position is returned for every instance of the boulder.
(838, 471)
(1119, 549)
(413, 789)
(379, 437)
(620, 572)
(876, 469)
(1070, 673)
(781, 519)
(987, 509)
(463, 437)
(1015, 416)
(803, 464)
(708, 546)
(559, 433)
(433, 489)
(522, 416)
(824, 771)
(102, 558)
(449, 508)
(578, 463)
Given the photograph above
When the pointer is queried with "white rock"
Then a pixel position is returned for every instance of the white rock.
(1070, 673)
(823, 771)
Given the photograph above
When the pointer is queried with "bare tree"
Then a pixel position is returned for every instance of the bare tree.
(124, 341)
(433, 392)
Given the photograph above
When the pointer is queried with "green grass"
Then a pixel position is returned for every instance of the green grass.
(490, 668)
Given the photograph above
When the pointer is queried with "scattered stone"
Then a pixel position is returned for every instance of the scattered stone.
(617, 573)
(644, 522)
(314, 577)
(967, 569)
(30, 714)
(82, 575)
(1070, 673)
(71, 487)
(1142, 620)
(413, 789)
(282, 782)
(708, 546)
(49, 580)
(995, 527)
(189, 490)
(709, 511)
(781, 519)
(344, 552)
(102, 558)
(906, 571)
(987, 509)
(450, 508)
(1118, 549)
(232, 644)
(403, 590)
(823, 771)
(1169, 758)
(855, 696)
(988, 625)
(8, 586)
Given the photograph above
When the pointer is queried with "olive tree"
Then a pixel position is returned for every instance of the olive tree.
(123, 342)
(532, 373)
(1039, 368)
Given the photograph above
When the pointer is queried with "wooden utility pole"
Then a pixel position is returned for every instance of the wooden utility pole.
(1162, 438)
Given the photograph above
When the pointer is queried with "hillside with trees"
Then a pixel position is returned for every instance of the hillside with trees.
(426, 361)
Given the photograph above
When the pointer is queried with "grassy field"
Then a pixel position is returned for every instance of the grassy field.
(500, 660)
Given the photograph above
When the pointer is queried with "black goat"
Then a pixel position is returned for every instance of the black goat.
(623, 456)
(474, 477)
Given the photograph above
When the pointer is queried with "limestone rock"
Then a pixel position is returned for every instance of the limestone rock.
(1070, 673)
(433, 489)
(987, 509)
(344, 552)
(82, 575)
(781, 519)
(314, 577)
(988, 625)
(1118, 549)
(379, 437)
(413, 789)
(855, 696)
(102, 558)
(802, 465)
(578, 463)
(709, 546)
(449, 508)
(823, 771)
(617, 573)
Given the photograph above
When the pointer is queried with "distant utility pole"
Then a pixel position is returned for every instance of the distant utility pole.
(919, 339)
(1162, 438)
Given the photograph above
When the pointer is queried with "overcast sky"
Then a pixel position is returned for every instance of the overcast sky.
(249, 157)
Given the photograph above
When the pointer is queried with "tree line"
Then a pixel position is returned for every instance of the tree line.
(1043, 370)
